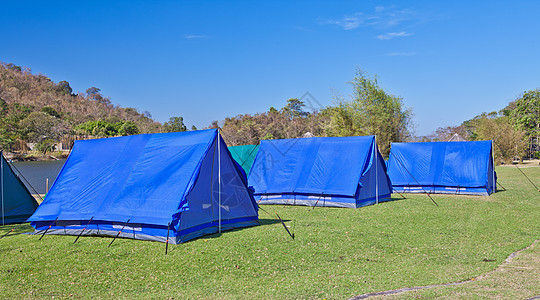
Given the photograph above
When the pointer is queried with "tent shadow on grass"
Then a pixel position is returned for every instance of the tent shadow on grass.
(263, 222)
(15, 229)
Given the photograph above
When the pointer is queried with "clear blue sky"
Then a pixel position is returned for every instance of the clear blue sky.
(206, 60)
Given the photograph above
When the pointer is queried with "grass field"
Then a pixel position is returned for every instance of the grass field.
(337, 253)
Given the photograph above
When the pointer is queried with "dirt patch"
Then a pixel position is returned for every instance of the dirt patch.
(525, 164)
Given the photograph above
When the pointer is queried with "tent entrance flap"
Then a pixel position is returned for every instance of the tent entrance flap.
(17, 203)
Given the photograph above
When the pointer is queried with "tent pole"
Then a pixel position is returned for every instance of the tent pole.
(219, 180)
(2, 184)
(376, 152)
(493, 163)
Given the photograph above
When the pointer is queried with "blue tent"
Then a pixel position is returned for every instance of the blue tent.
(320, 171)
(181, 185)
(16, 202)
(443, 167)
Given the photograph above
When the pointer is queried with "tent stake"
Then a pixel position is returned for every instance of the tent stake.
(399, 193)
(285, 226)
(528, 179)
(48, 228)
(119, 232)
(167, 241)
(317, 201)
(7, 233)
(83, 230)
(501, 185)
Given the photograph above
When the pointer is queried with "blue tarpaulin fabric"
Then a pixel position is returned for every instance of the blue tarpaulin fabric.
(159, 182)
(443, 167)
(16, 202)
(323, 171)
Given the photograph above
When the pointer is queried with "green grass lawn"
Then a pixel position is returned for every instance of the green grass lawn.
(337, 253)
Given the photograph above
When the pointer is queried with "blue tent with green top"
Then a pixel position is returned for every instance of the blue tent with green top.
(179, 185)
(320, 171)
(17, 204)
(244, 155)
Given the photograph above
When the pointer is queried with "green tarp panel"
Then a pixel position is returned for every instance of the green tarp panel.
(17, 204)
(244, 155)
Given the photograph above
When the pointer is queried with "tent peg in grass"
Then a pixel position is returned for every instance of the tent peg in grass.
(317, 200)
(167, 242)
(528, 179)
(83, 230)
(7, 233)
(48, 228)
(119, 232)
(399, 193)
(285, 226)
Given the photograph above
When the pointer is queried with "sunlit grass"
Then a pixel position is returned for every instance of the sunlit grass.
(337, 253)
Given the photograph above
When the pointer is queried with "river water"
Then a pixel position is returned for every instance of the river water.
(37, 173)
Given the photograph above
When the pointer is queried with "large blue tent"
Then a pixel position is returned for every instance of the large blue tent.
(181, 185)
(443, 167)
(321, 171)
(16, 202)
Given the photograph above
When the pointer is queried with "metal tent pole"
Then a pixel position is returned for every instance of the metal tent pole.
(493, 162)
(2, 183)
(219, 181)
(375, 152)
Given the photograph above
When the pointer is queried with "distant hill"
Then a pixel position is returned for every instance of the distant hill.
(33, 108)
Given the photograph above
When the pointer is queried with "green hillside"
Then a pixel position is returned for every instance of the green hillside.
(34, 109)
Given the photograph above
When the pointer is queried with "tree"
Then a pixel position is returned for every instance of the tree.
(371, 111)
(4, 108)
(214, 125)
(50, 111)
(10, 128)
(175, 124)
(525, 112)
(64, 88)
(39, 125)
(446, 133)
(93, 92)
(97, 128)
(294, 108)
(128, 128)
(46, 145)
(14, 67)
(509, 143)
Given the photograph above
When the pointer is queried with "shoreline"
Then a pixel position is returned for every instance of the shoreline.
(16, 157)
